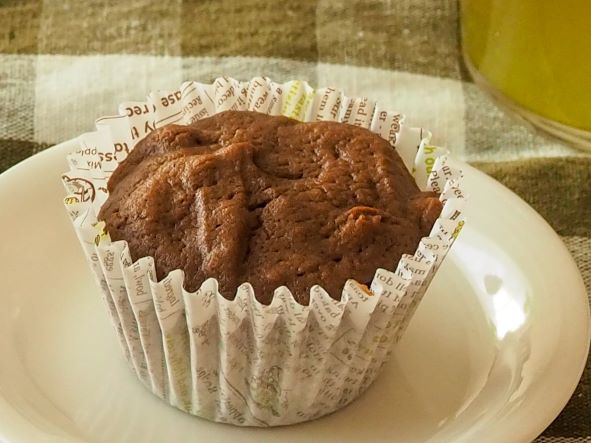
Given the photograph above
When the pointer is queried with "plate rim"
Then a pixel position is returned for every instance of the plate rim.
(567, 393)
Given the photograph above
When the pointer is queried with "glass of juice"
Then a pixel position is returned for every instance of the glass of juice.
(534, 57)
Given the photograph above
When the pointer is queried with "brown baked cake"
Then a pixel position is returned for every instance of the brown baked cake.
(247, 197)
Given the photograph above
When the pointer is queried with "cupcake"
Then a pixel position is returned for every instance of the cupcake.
(247, 197)
(259, 268)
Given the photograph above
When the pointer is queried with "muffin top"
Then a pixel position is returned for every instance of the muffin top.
(247, 197)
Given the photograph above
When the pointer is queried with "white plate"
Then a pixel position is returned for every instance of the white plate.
(493, 354)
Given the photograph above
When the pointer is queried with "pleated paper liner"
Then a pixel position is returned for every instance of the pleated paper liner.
(239, 361)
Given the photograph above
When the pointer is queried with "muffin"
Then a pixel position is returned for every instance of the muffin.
(263, 248)
(246, 197)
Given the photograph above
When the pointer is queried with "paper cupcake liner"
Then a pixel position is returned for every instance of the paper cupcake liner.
(239, 361)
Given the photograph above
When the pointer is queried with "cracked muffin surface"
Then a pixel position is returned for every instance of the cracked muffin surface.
(247, 197)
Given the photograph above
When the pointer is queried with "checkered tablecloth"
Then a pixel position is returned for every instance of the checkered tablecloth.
(82, 58)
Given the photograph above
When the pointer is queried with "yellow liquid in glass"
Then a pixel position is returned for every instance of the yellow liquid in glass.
(536, 52)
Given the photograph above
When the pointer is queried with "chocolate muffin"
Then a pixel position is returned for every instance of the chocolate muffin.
(248, 197)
